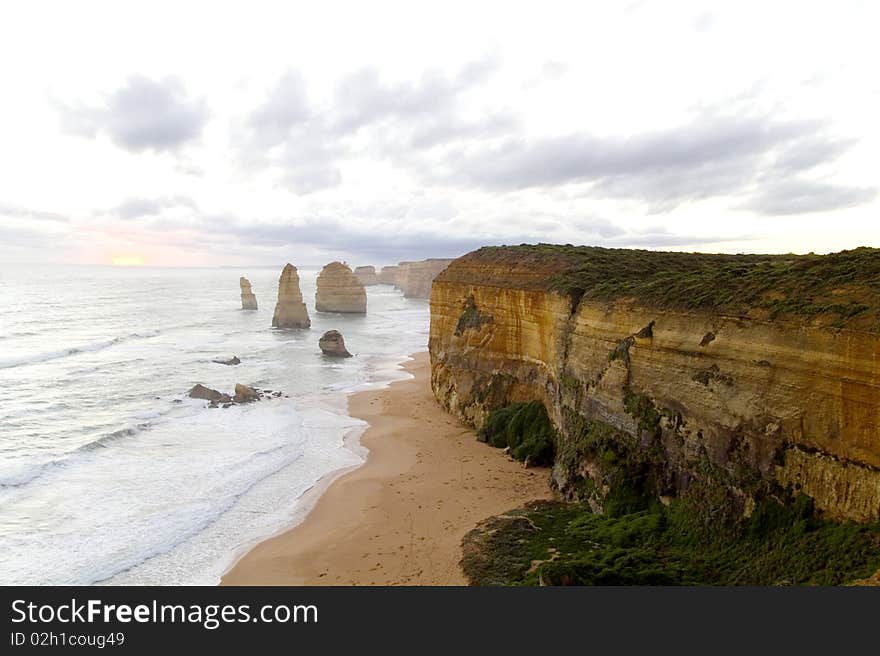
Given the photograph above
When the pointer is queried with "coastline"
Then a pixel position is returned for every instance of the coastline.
(398, 519)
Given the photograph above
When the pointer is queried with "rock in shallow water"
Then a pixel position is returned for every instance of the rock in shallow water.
(199, 391)
(332, 343)
(339, 290)
(290, 311)
(245, 394)
(231, 361)
(248, 300)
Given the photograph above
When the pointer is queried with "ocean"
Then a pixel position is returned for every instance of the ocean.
(110, 474)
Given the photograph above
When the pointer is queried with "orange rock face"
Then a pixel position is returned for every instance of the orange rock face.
(339, 290)
(759, 403)
(290, 311)
(248, 300)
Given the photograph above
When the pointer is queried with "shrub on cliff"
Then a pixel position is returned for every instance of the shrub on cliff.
(525, 429)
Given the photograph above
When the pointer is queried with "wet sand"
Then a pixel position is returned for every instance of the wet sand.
(398, 519)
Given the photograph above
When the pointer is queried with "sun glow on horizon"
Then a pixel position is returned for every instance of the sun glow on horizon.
(127, 260)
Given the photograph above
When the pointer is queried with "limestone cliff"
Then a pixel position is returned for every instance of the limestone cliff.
(290, 311)
(248, 300)
(339, 290)
(414, 278)
(743, 374)
(367, 275)
(388, 275)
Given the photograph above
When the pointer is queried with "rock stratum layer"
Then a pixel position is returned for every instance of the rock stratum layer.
(248, 300)
(290, 311)
(339, 290)
(367, 275)
(388, 275)
(739, 376)
(414, 278)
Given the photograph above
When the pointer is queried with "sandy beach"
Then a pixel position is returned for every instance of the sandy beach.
(398, 519)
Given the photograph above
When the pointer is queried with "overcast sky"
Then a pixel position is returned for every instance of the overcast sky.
(243, 133)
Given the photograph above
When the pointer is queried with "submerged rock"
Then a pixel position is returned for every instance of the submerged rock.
(290, 311)
(231, 361)
(367, 275)
(248, 300)
(339, 290)
(332, 343)
(199, 391)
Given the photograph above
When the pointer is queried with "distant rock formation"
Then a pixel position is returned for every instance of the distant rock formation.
(331, 343)
(339, 290)
(367, 275)
(231, 361)
(388, 275)
(414, 278)
(290, 311)
(248, 300)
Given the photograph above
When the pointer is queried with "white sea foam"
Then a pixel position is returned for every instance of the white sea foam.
(109, 473)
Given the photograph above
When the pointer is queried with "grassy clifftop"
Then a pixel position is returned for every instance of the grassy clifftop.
(840, 289)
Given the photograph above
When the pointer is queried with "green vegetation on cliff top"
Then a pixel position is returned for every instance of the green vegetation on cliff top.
(842, 286)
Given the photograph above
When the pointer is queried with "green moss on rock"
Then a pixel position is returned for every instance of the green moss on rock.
(523, 427)
(553, 543)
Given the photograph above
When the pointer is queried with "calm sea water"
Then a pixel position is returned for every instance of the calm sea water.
(109, 473)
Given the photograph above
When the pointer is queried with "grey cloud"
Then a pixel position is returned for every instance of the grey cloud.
(449, 129)
(18, 212)
(577, 158)
(286, 106)
(396, 240)
(363, 99)
(704, 22)
(305, 145)
(800, 196)
(809, 153)
(710, 157)
(134, 208)
(143, 114)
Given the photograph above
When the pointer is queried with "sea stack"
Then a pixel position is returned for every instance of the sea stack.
(367, 275)
(290, 311)
(414, 279)
(248, 300)
(339, 290)
(331, 343)
(388, 275)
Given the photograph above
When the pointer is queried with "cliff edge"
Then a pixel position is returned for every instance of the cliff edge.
(733, 377)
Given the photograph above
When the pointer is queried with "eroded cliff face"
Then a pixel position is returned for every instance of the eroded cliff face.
(388, 275)
(248, 300)
(340, 290)
(688, 399)
(367, 275)
(414, 278)
(290, 311)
